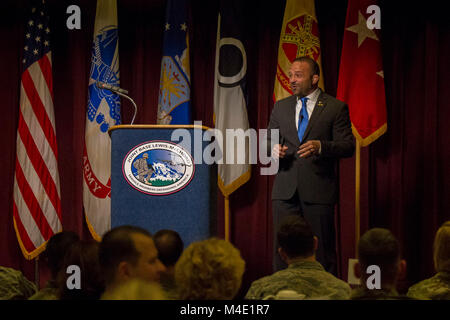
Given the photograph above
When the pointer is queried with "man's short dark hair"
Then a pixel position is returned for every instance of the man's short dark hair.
(169, 245)
(312, 63)
(116, 246)
(378, 246)
(56, 248)
(295, 237)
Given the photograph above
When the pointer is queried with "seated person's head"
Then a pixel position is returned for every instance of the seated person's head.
(56, 248)
(83, 255)
(441, 252)
(379, 247)
(169, 246)
(129, 252)
(295, 239)
(209, 270)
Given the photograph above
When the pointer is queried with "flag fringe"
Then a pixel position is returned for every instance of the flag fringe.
(91, 229)
(374, 136)
(230, 188)
(33, 254)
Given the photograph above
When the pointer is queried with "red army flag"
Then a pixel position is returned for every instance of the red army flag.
(361, 77)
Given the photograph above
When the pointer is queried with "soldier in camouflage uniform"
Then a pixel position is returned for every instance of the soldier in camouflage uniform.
(379, 247)
(143, 170)
(434, 288)
(14, 285)
(304, 278)
(438, 286)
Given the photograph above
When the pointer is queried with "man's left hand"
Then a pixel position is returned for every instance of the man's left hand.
(309, 148)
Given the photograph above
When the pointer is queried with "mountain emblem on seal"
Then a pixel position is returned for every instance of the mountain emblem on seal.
(158, 168)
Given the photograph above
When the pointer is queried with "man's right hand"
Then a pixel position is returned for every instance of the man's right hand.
(279, 151)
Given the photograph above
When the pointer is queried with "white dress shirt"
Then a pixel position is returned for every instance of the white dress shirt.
(310, 103)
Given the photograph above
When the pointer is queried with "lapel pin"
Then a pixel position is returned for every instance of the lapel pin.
(320, 104)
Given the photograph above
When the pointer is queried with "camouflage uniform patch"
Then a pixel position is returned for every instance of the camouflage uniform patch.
(306, 278)
(434, 288)
(14, 285)
(49, 292)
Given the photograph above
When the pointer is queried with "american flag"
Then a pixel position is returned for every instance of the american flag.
(37, 201)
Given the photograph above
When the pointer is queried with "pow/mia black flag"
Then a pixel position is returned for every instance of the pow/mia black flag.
(230, 107)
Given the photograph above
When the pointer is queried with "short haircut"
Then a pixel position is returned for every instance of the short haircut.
(378, 246)
(169, 246)
(211, 269)
(116, 246)
(295, 237)
(56, 248)
(312, 63)
(441, 250)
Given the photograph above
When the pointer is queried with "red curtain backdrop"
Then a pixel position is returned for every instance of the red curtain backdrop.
(404, 174)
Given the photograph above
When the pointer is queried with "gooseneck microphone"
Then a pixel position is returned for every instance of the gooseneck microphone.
(102, 85)
(120, 92)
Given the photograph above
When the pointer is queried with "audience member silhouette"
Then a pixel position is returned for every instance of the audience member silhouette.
(211, 269)
(170, 246)
(80, 277)
(438, 286)
(128, 252)
(53, 256)
(304, 278)
(14, 285)
(378, 249)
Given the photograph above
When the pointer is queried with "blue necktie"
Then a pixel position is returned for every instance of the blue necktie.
(302, 119)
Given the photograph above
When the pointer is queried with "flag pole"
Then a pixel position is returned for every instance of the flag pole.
(227, 218)
(357, 195)
(36, 272)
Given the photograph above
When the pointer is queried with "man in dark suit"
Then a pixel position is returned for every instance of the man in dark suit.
(315, 131)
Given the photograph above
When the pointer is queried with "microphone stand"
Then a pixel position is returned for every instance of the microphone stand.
(134, 104)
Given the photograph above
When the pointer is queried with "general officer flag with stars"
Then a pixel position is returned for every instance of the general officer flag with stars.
(361, 76)
(174, 105)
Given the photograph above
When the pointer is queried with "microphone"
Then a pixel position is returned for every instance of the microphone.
(121, 92)
(102, 85)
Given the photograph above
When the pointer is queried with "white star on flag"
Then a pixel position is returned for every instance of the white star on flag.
(362, 30)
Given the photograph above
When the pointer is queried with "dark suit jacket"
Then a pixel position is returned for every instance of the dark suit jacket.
(315, 176)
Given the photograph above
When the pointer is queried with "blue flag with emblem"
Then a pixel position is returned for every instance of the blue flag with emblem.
(174, 88)
(103, 112)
